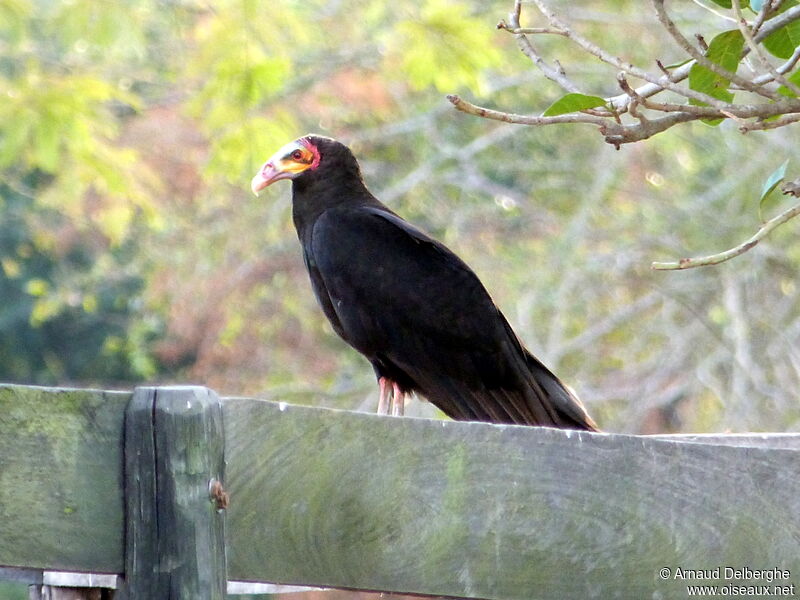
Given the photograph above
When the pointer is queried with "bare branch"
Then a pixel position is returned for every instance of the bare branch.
(495, 115)
(681, 40)
(617, 134)
(651, 89)
(765, 125)
(791, 188)
(784, 68)
(775, 111)
(713, 10)
(715, 259)
(620, 64)
(783, 19)
(762, 16)
(529, 30)
(756, 50)
(557, 75)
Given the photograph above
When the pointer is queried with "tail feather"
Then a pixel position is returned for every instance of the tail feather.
(566, 408)
(541, 399)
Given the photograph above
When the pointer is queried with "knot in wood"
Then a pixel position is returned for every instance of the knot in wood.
(218, 494)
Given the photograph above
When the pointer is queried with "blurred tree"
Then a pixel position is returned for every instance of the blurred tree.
(132, 250)
(56, 331)
(772, 91)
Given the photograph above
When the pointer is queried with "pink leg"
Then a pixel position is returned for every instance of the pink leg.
(398, 400)
(383, 402)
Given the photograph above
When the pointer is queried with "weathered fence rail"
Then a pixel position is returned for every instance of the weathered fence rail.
(118, 483)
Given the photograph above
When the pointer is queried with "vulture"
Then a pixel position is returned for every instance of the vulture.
(406, 302)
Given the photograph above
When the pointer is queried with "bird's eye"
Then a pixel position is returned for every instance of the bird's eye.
(297, 155)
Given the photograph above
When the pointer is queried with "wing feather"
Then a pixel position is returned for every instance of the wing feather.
(418, 312)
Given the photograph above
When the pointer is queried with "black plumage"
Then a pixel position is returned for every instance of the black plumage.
(417, 312)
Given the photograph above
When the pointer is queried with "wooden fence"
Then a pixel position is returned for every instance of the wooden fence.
(176, 492)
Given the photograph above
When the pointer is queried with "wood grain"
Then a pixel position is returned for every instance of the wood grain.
(175, 543)
(341, 499)
(61, 500)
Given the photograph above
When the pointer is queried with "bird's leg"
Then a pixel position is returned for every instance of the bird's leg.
(383, 402)
(398, 400)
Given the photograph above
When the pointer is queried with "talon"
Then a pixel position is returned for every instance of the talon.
(383, 402)
(398, 400)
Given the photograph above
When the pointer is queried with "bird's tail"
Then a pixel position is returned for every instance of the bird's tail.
(536, 397)
(561, 404)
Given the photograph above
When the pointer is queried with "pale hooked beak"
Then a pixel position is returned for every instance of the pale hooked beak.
(267, 175)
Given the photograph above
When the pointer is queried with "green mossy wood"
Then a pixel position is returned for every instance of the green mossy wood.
(484, 511)
(175, 535)
(344, 499)
(61, 487)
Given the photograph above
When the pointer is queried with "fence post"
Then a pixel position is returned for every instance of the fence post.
(175, 538)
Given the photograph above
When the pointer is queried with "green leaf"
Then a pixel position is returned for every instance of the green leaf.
(783, 42)
(795, 79)
(443, 33)
(726, 51)
(675, 65)
(15, 19)
(573, 103)
(37, 287)
(728, 4)
(770, 184)
(46, 146)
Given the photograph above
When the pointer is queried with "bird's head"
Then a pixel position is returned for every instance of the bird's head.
(291, 161)
(309, 158)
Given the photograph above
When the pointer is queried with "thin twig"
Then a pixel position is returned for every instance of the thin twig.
(783, 19)
(742, 111)
(715, 259)
(756, 49)
(608, 119)
(761, 17)
(684, 43)
(529, 30)
(765, 125)
(556, 75)
(651, 89)
(495, 115)
(620, 64)
(714, 11)
(617, 134)
(784, 68)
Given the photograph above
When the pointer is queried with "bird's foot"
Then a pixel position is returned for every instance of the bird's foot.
(383, 403)
(398, 401)
(392, 398)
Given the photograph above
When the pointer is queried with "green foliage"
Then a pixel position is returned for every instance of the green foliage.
(46, 118)
(783, 42)
(442, 47)
(725, 50)
(131, 248)
(770, 184)
(795, 79)
(14, 20)
(728, 4)
(573, 103)
(53, 333)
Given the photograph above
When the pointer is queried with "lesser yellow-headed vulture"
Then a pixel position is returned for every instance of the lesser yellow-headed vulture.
(405, 301)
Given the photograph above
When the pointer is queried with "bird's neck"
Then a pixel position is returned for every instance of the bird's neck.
(311, 198)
